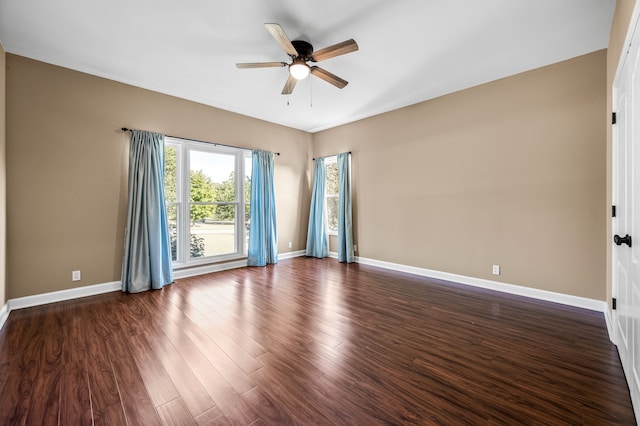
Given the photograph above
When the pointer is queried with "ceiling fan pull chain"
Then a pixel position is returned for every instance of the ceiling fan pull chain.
(311, 93)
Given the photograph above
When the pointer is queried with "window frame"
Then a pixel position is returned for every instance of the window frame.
(183, 202)
(327, 161)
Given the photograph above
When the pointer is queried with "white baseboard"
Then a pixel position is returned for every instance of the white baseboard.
(292, 254)
(549, 296)
(56, 296)
(91, 290)
(199, 270)
(62, 295)
(75, 293)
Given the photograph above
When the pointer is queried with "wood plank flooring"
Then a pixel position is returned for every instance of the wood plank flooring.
(310, 341)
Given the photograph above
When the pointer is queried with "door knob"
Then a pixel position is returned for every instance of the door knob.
(622, 240)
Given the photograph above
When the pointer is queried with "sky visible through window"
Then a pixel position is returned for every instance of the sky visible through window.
(217, 167)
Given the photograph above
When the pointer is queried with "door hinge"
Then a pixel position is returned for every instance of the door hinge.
(613, 211)
(614, 304)
(614, 118)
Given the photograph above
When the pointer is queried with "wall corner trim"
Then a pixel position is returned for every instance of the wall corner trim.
(4, 314)
(549, 296)
(609, 321)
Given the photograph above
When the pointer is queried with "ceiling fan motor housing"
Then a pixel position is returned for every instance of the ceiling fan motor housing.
(304, 49)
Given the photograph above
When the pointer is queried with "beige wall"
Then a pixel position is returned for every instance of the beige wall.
(67, 170)
(508, 173)
(3, 197)
(511, 173)
(619, 28)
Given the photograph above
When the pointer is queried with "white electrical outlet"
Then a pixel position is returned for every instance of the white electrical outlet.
(355, 248)
(290, 244)
(76, 276)
(496, 269)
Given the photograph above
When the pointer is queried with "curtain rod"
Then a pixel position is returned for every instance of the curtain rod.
(331, 156)
(125, 129)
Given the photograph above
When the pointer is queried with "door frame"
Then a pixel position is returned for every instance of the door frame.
(611, 315)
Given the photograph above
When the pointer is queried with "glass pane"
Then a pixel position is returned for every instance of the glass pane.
(331, 182)
(172, 216)
(211, 179)
(170, 176)
(332, 213)
(214, 235)
(226, 189)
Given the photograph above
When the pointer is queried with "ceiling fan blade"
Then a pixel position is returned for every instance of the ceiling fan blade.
(329, 77)
(261, 64)
(335, 50)
(278, 33)
(289, 85)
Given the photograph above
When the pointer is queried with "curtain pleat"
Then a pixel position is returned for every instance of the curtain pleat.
(345, 228)
(146, 262)
(263, 239)
(317, 245)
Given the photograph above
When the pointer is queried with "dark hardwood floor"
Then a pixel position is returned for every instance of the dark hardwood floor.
(305, 342)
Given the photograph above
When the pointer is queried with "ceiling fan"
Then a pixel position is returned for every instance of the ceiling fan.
(300, 53)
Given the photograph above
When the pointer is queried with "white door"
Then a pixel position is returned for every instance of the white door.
(626, 224)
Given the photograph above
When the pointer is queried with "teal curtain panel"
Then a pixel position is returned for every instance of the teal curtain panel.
(263, 238)
(317, 242)
(345, 228)
(146, 262)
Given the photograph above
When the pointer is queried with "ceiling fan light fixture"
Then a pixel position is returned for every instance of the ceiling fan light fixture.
(299, 69)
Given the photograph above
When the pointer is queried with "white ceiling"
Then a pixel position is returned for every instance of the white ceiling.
(410, 50)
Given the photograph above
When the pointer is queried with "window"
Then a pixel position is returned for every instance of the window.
(331, 194)
(207, 189)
